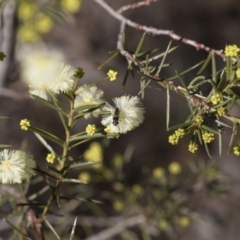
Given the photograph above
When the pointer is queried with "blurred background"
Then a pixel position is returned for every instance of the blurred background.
(85, 36)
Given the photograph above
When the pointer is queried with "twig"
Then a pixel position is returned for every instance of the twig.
(194, 99)
(7, 39)
(134, 5)
(155, 31)
(31, 214)
(118, 228)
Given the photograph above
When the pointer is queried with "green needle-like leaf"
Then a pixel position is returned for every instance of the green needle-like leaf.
(140, 44)
(80, 199)
(44, 174)
(5, 146)
(75, 138)
(49, 104)
(114, 54)
(205, 63)
(233, 136)
(73, 229)
(51, 228)
(168, 108)
(47, 135)
(214, 71)
(16, 229)
(81, 165)
(186, 71)
(88, 108)
(163, 59)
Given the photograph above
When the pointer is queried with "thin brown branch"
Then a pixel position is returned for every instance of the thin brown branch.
(7, 39)
(118, 228)
(195, 100)
(134, 5)
(31, 214)
(155, 31)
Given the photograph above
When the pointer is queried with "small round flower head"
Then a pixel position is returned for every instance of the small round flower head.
(216, 98)
(65, 80)
(24, 124)
(45, 71)
(192, 147)
(199, 120)
(118, 205)
(27, 33)
(112, 75)
(179, 133)
(137, 189)
(111, 131)
(236, 150)
(84, 176)
(88, 95)
(221, 111)
(15, 166)
(43, 23)
(174, 168)
(79, 73)
(173, 139)
(94, 152)
(118, 160)
(238, 73)
(71, 6)
(51, 158)
(231, 51)
(158, 173)
(163, 225)
(91, 129)
(184, 221)
(26, 10)
(208, 137)
(126, 115)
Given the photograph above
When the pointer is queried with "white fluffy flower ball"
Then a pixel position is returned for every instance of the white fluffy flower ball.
(89, 95)
(16, 166)
(127, 114)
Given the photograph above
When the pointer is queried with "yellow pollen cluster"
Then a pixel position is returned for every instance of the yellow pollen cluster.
(238, 73)
(26, 10)
(26, 33)
(136, 189)
(216, 98)
(51, 157)
(208, 137)
(94, 153)
(173, 139)
(221, 111)
(236, 151)
(24, 124)
(179, 133)
(163, 225)
(118, 205)
(231, 51)
(44, 24)
(184, 221)
(174, 168)
(84, 176)
(72, 6)
(158, 173)
(112, 75)
(199, 120)
(192, 147)
(91, 129)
